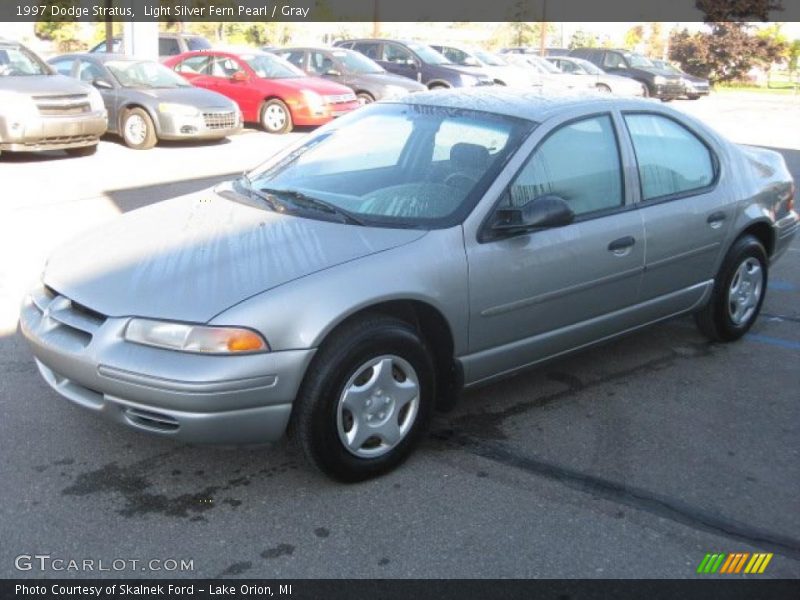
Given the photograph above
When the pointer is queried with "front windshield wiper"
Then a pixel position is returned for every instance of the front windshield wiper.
(300, 199)
(270, 200)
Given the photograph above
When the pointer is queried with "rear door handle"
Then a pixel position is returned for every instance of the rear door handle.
(716, 219)
(621, 246)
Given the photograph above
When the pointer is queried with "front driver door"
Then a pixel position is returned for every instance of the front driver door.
(537, 294)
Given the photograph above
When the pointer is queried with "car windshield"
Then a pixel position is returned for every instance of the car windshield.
(588, 67)
(145, 74)
(637, 60)
(490, 59)
(355, 62)
(427, 169)
(18, 61)
(662, 64)
(269, 66)
(428, 54)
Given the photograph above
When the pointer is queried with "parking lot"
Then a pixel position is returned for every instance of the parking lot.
(633, 459)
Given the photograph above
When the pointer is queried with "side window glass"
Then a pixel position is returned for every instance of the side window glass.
(194, 65)
(296, 57)
(396, 54)
(320, 63)
(671, 159)
(63, 67)
(88, 71)
(223, 67)
(369, 49)
(580, 163)
(613, 60)
(168, 47)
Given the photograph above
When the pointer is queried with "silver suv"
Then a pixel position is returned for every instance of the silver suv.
(40, 110)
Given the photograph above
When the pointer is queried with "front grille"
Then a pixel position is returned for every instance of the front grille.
(485, 82)
(340, 98)
(68, 321)
(65, 105)
(221, 120)
(151, 420)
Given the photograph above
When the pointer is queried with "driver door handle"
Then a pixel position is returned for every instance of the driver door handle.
(622, 246)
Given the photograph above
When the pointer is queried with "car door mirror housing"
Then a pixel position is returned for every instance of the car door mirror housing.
(333, 73)
(239, 76)
(543, 212)
(102, 84)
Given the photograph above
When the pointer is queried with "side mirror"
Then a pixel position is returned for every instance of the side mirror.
(332, 73)
(239, 76)
(102, 84)
(543, 212)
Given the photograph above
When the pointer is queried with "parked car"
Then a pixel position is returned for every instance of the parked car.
(659, 83)
(268, 90)
(169, 44)
(500, 70)
(365, 77)
(694, 86)
(419, 62)
(392, 258)
(549, 76)
(148, 102)
(535, 51)
(604, 82)
(41, 110)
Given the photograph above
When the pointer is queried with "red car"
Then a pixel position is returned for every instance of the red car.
(269, 90)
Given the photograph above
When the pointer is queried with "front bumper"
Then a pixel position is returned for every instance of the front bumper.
(304, 115)
(210, 125)
(189, 397)
(785, 231)
(668, 91)
(33, 134)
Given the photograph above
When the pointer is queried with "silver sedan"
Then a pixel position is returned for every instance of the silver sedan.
(148, 102)
(353, 282)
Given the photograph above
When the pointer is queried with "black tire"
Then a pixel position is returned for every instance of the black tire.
(364, 98)
(715, 320)
(275, 125)
(148, 139)
(82, 151)
(693, 97)
(438, 86)
(602, 87)
(315, 425)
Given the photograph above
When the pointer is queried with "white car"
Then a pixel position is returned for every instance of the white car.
(604, 82)
(500, 70)
(549, 76)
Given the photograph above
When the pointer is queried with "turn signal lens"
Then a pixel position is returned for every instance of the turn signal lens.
(194, 338)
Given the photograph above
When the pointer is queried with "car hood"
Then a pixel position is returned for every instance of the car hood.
(192, 257)
(192, 96)
(317, 84)
(43, 85)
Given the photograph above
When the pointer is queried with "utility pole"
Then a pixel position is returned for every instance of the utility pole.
(543, 32)
(109, 29)
(376, 23)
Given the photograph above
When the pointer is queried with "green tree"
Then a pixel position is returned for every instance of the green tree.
(634, 37)
(581, 39)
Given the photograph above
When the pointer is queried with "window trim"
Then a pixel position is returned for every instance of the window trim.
(484, 233)
(715, 163)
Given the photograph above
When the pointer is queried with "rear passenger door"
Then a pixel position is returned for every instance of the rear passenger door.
(686, 217)
(540, 293)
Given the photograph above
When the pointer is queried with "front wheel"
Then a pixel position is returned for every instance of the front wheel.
(364, 98)
(275, 117)
(367, 399)
(738, 293)
(138, 131)
(602, 87)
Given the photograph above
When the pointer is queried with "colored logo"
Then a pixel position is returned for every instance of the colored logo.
(737, 562)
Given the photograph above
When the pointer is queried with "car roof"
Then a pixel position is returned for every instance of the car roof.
(529, 105)
(100, 57)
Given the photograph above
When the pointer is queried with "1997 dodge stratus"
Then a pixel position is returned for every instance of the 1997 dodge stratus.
(399, 254)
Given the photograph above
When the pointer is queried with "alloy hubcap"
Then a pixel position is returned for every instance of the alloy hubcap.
(745, 291)
(135, 129)
(275, 117)
(378, 406)
(364, 100)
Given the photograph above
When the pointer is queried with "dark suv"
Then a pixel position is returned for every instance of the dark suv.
(418, 61)
(658, 82)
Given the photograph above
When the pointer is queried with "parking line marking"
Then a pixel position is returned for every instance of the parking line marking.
(773, 341)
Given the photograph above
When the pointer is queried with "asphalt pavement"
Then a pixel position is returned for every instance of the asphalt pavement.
(633, 459)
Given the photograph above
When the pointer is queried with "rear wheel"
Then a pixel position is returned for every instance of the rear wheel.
(367, 399)
(138, 131)
(275, 117)
(82, 151)
(738, 293)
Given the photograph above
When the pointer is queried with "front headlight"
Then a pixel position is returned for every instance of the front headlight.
(313, 100)
(17, 106)
(96, 101)
(194, 338)
(688, 84)
(183, 110)
(659, 80)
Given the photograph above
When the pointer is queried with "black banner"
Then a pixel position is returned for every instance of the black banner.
(500, 589)
(400, 10)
